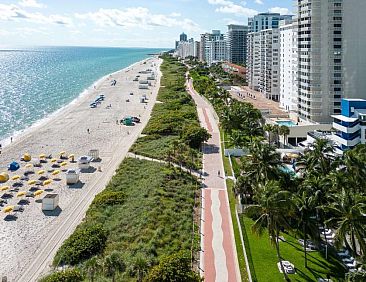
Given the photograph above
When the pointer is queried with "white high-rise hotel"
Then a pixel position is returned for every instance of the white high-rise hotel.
(331, 54)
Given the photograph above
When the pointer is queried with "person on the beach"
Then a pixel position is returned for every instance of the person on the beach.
(11, 139)
(88, 131)
(218, 173)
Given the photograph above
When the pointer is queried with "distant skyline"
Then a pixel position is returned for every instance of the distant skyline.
(139, 23)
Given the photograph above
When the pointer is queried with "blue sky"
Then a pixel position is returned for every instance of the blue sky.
(122, 23)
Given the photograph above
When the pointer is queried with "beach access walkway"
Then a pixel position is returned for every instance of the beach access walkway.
(218, 259)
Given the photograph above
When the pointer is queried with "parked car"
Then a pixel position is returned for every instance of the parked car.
(288, 267)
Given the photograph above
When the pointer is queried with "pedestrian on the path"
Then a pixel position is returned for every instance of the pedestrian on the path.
(11, 139)
(218, 173)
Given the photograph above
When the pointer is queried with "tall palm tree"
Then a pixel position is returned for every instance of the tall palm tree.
(113, 264)
(268, 128)
(306, 203)
(354, 167)
(284, 131)
(262, 163)
(271, 212)
(347, 214)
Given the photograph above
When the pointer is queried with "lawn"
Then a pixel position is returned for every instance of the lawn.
(154, 218)
(263, 259)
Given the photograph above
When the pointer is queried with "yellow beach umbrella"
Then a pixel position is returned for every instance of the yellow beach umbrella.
(21, 194)
(37, 193)
(31, 182)
(56, 172)
(27, 157)
(4, 177)
(46, 182)
(53, 160)
(42, 156)
(63, 163)
(3, 188)
(294, 156)
(62, 153)
(15, 177)
(71, 156)
(28, 166)
(8, 209)
(42, 171)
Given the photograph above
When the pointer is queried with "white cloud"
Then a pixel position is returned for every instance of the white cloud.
(230, 7)
(31, 3)
(260, 2)
(13, 13)
(137, 17)
(282, 11)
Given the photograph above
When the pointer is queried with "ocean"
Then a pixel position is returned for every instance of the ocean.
(35, 82)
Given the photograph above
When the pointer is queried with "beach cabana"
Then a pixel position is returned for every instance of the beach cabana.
(14, 166)
(72, 176)
(50, 202)
(84, 162)
(4, 177)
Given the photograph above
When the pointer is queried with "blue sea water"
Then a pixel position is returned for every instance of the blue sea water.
(35, 82)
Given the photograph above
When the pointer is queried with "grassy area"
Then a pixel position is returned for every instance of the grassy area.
(153, 219)
(263, 259)
(170, 118)
(236, 166)
(239, 245)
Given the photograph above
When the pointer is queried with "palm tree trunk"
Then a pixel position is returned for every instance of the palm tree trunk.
(305, 244)
(353, 240)
(277, 243)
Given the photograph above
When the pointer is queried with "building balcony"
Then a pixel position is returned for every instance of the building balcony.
(346, 129)
(344, 142)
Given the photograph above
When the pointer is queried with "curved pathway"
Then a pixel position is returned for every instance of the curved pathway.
(218, 260)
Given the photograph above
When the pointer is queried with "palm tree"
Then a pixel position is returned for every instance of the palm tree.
(268, 128)
(92, 266)
(271, 212)
(347, 214)
(284, 131)
(113, 264)
(306, 204)
(354, 167)
(262, 163)
(275, 131)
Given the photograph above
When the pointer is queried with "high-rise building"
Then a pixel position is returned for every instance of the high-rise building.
(288, 66)
(263, 66)
(266, 21)
(215, 47)
(186, 49)
(331, 54)
(183, 37)
(197, 49)
(237, 44)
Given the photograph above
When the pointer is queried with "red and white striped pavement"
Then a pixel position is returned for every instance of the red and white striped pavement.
(218, 260)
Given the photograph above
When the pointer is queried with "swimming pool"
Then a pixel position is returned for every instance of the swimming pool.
(288, 123)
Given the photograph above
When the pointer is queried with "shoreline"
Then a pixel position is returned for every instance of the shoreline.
(30, 241)
(22, 133)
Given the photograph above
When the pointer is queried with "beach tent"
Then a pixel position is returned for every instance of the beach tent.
(13, 166)
(4, 177)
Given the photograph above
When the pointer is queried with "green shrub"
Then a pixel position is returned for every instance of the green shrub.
(175, 267)
(109, 198)
(68, 275)
(84, 243)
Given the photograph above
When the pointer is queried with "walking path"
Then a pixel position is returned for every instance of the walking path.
(219, 260)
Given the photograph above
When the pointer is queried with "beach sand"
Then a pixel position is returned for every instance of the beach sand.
(29, 243)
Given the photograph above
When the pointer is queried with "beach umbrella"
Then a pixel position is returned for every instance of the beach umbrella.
(62, 153)
(71, 156)
(63, 163)
(27, 157)
(31, 182)
(42, 171)
(8, 209)
(38, 192)
(53, 160)
(15, 177)
(4, 177)
(57, 171)
(3, 188)
(42, 156)
(46, 182)
(21, 194)
(28, 166)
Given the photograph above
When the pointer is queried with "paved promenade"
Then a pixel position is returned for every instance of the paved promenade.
(219, 258)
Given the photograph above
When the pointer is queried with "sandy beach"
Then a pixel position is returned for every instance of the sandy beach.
(29, 243)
